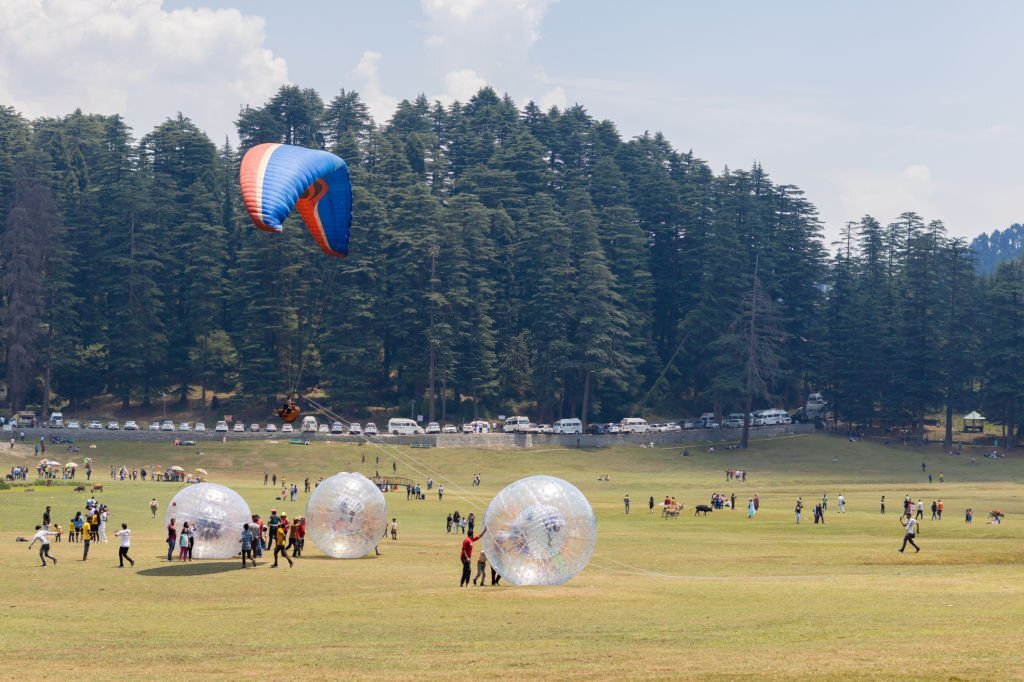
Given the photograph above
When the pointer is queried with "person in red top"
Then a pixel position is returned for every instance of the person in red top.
(172, 538)
(467, 553)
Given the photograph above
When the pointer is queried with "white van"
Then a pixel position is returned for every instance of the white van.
(56, 420)
(569, 426)
(403, 427)
(774, 417)
(309, 425)
(634, 425)
(516, 424)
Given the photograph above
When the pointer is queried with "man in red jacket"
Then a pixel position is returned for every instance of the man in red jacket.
(467, 553)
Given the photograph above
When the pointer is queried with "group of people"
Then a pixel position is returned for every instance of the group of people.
(85, 529)
(462, 525)
(466, 557)
(735, 475)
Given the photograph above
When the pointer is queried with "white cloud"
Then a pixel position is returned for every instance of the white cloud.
(555, 97)
(380, 104)
(886, 194)
(460, 85)
(467, 38)
(132, 57)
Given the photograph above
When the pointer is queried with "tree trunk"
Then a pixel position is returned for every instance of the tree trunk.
(948, 440)
(586, 398)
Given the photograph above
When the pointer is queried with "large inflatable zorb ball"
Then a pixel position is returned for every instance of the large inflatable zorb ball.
(346, 515)
(216, 512)
(541, 530)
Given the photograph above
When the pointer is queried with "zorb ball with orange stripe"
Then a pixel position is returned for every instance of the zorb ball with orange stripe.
(541, 530)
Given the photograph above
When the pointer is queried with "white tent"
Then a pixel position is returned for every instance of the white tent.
(973, 416)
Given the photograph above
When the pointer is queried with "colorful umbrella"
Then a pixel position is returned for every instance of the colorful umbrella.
(70, 465)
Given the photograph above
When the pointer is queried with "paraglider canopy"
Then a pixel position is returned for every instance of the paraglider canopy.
(277, 177)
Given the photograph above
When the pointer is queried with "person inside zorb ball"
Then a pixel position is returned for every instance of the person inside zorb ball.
(541, 530)
(216, 512)
(346, 516)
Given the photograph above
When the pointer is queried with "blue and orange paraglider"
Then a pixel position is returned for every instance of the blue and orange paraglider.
(277, 177)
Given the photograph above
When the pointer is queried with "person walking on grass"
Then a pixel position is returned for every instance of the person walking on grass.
(919, 514)
(799, 508)
(153, 506)
(939, 508)
(43, 537)
(650, 504)
(466, 554)
(911, 529)
(279, 547)
(481, 568)
(625, 501)
(751, 509)
(883, 504)
(126, 542)
(247, 539)
(935, 510)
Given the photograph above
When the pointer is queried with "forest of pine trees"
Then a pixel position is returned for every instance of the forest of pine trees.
(503, 259)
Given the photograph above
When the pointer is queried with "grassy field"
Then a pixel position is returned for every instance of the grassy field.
(689, 598)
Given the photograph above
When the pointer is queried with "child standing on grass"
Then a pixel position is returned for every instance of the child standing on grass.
(183, 543)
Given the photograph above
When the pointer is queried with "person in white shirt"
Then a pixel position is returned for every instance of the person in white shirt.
(912, 528)
(43, 536)
(126, 543)
(103, 525)
(842, 504)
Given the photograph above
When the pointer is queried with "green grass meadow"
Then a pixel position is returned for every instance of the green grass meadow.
(687, 598)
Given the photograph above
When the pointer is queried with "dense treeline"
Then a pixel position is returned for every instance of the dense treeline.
(1002, 245)
(502, 259)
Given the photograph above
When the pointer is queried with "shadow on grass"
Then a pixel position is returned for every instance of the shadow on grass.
(190, 568)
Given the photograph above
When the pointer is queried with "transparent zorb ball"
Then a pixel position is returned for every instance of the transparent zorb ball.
(216, 512)
(346, 515)
(541, 530)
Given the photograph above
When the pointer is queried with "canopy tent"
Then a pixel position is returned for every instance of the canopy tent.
(974, 422)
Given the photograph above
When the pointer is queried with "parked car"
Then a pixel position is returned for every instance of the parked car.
(287, 428)
(154, 426)
(323, 428)
(200, 426)
(56, 420)
(254, 428)
(614, 428)
(271, 428)
(433, 427)
(467, 427)
(370, 429)
(449, 428)
(184, 426)
(73, 424)
(672, 426)
(167, 425)
(239, 427)
(113, 426)
(569, 425)
(131, 425)
(95, 425)
(354, 429)
(221, 427)
(598, 429)
(337, 427)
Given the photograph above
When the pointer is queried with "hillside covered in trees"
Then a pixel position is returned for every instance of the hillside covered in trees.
(502, 259)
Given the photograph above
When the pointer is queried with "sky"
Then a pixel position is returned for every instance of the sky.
(870, 107)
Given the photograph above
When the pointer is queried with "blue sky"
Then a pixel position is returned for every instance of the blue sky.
(869, 107)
